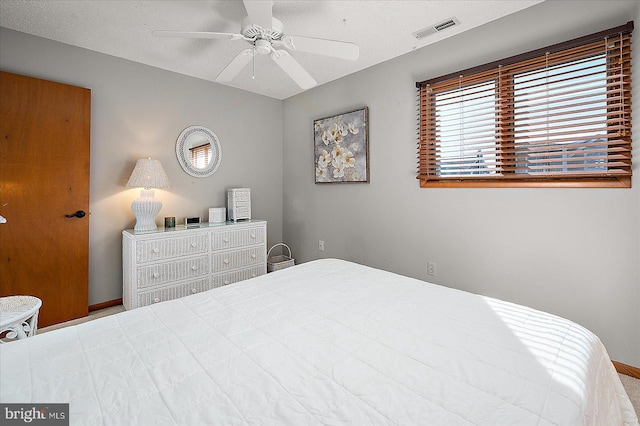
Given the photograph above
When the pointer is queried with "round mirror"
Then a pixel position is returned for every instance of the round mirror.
(198, 151)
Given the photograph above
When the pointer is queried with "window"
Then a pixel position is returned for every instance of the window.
(558, 116)
(201, 155)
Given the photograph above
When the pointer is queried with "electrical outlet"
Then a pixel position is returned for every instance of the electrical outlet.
(320, 245)
(432, 269)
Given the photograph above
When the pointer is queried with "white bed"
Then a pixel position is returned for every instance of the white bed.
(325, 342)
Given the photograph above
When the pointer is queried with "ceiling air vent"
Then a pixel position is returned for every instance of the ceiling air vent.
(435, 28)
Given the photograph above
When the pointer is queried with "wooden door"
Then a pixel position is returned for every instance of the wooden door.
(44, 176)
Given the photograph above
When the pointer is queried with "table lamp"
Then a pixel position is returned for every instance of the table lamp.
(147, 174)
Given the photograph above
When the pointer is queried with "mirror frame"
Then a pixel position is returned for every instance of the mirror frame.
(183, 156)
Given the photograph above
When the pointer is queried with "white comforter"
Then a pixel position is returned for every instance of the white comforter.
(325, 342)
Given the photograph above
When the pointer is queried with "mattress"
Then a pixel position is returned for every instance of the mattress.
(324, 342)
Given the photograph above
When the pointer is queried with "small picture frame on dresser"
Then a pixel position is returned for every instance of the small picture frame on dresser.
(192, 221)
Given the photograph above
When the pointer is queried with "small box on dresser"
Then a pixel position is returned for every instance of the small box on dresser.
(171, 263)
(239, 203)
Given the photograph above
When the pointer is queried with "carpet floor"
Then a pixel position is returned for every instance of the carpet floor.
(632, 386)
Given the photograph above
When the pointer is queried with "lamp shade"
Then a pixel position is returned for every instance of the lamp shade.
(148, 173)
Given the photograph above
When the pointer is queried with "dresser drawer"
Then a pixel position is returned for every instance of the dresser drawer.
(228, 260)
(238, 238)
(167, 248)
(162, 273)
(235, 276)
(173, 292)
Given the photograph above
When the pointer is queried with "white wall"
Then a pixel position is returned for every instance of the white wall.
(573, 252)
(138, 111)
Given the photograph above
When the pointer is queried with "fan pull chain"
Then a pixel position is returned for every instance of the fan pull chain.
(253, 60)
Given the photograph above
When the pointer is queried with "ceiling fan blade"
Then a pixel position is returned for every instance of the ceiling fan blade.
(293, 68)
(196, 34)
(321, 46)
(235, 66)
(260, 12)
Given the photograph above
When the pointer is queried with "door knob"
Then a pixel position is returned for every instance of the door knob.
(79, 214)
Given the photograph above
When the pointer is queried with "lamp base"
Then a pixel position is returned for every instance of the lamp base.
(146, 208)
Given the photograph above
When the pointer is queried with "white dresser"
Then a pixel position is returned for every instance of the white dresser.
(174, 262)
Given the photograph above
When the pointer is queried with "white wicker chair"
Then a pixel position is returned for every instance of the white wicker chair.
(18, 317)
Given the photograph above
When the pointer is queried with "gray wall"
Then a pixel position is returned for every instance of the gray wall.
(139, 111)
(573, 252)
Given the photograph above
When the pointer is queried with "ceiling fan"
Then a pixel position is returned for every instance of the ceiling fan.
(265, 34)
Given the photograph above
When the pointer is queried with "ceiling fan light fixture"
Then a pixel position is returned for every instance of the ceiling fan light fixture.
(263, 47)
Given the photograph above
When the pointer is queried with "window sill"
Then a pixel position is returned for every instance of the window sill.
(622, 182)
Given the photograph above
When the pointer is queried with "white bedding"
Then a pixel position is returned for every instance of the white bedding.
(325, 342)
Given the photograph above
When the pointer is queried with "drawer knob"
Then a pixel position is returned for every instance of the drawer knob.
(194, 291)
(156, 250)
(156, 275)
(156, 300)
(226, 282)
(194, 244)
(253, 275)
(194, 268)
(253, 236)
(253, 256)
(226, 240)
(226, 261)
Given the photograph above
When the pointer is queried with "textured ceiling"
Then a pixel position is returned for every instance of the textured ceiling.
(382, 30)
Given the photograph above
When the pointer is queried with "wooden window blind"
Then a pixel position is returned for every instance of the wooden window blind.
(558, 116)
(201, 155)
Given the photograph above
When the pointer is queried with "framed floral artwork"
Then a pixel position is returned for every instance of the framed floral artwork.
(341, 147)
